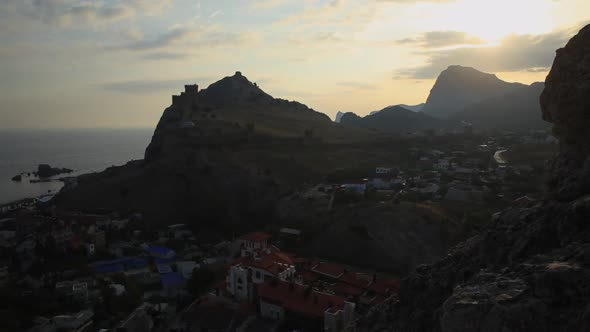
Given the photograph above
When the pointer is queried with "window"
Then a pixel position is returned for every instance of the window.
(258, 276)
(240, 281)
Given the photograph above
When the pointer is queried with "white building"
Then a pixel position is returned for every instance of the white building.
(382, 170)
(252, 242)
(256, 269)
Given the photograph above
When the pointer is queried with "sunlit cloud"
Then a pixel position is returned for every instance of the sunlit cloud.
(439, 39)
(331, 55)
(513, 53)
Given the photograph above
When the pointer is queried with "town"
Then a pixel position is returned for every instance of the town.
(65, 262)
(80, 271)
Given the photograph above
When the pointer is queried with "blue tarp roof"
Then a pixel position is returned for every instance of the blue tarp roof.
(172, 279)
(121, 264)
(163, 268)
(160, 251)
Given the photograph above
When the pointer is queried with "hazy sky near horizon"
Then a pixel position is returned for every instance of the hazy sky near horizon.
(115, 63)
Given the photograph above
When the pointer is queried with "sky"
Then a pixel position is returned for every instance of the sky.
(116, 63)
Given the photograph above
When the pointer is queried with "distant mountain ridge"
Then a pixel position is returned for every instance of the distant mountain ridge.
(458, 87)
(393, 119)
(462, 95)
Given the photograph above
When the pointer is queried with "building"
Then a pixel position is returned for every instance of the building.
(173, 283)
(380, 183)
(382, 170)
(356, 186)
(290, 237)
(79, 322)
(281, 300)
(443, 164)
(159, 252)
(254, 269)
(253, 241)
(75, 289)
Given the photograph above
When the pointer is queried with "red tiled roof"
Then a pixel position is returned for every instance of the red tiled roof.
(360, 280)
(329, 269)
(385, 286)
(274, 262)
(255, 237)
(292, 298)
(308, 276)
(345, 289)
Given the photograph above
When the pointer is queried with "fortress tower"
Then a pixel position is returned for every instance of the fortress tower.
(188, 97)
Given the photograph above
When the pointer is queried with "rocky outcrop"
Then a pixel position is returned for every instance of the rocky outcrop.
(530, 269)
(566, 103)
(45, 171)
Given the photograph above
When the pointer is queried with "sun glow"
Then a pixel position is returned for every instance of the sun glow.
(486, 19)
(493, 20)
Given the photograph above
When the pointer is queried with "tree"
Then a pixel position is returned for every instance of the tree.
(200, 281)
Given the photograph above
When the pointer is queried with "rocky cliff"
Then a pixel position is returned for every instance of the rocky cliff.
(530, 269)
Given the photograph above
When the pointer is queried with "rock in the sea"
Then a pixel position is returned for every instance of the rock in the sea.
(17, 178)
(45, 171)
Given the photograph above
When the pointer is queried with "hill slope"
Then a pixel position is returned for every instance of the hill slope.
(517, 110)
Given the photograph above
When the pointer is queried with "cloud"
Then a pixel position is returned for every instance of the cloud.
(439, 39)
(215, 13)
(161, 41)
(357, 85)
(158, 56)
(514, 53)
(416, 1)
(65, 13)
(267, 4)
(149, 86)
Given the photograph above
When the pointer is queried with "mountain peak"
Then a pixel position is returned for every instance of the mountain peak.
(465, 71)
(458, 86)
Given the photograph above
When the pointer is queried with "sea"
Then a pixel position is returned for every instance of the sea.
(82, 150)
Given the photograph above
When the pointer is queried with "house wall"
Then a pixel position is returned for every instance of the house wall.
(338, 321)
(271, 311)
(333, 321)
(258, 275)
(238, 283)
(250, 246)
